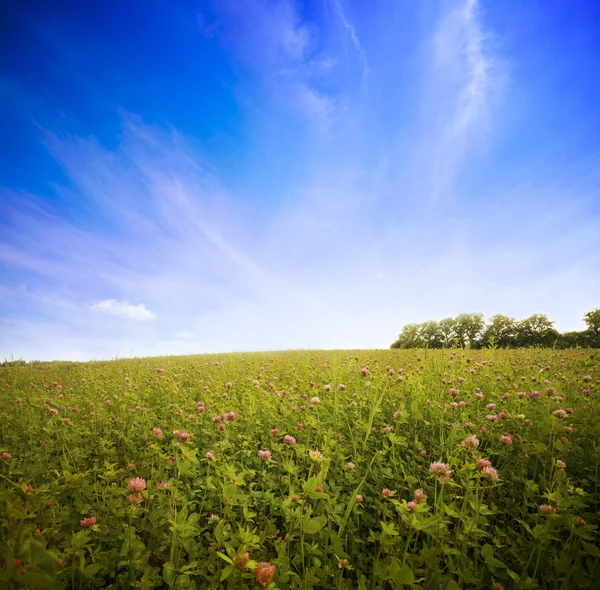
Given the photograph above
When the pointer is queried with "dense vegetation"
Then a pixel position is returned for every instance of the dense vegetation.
(367, 469)
(470, 329)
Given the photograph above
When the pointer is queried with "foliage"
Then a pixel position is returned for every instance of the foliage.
(469, 330)
(387, 484)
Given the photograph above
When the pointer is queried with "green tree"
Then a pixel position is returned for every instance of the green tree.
(469, 328)
(447, 329)
(536, 330)
(592, 320)
(410, 337)
(502, 329)
(430, 333)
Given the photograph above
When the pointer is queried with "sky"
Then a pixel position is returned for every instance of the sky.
(211, 176)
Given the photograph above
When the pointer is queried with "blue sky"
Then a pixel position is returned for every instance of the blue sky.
(180, 177)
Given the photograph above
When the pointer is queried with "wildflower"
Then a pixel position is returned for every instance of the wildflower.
(586, 378)
(135, 499)
(491, 406)
(274, 431)
(131, 466)
(412, 506)
(176, 433)
(221, 427)
(560, 464)
(265, 573)
(137, 484)
(560, 413)
(229, 417)
(214, 518)
(547, 509)
(6, 456)
(441, 470)
(316, 455)
(264, 455)
(422, 452)
(479, 395)
(350, 465)
(319, 489)
(157, 432)
(163, 484)
(52, 411)
(506, 439)
(169, 461)
(341, 387)
(387, 493)
(315, 400)
(327, 387)
(489, 473)
(184, 436)
(300, 426)
(241, 560)
(210, 455)
(470, 443)
(289, 440)
(468, 425)
(535, 395)
(87, 523)
(373, 429)
(419, 497)
(358, 499)
(364, 371)
(482, 463)
(492, 417)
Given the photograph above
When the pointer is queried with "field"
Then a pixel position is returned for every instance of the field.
(347, 469)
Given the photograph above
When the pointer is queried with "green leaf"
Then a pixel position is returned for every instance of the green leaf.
(230, 492)
(91, 570)
(310, 485)
(169, 572)
(401, 574)
(226, 572)
(591, 549)
(487, 552)
(314, 525)
(452, 585)
(223, 556)
(219, 532)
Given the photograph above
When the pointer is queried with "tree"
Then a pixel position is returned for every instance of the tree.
(502, 329)
(469, 328)
(410, 337)
(447, 329)
(592, 319)
(536, 330)
(430, 333)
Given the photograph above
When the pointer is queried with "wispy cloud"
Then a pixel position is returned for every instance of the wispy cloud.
(358, 47)
(123, 309)
(462, 84)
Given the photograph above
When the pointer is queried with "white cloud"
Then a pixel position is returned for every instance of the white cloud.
(464, 76)
(360, 51)
(124, 310)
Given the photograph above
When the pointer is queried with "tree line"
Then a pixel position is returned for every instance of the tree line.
(471, 330)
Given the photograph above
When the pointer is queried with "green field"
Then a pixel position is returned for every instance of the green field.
(385, 469)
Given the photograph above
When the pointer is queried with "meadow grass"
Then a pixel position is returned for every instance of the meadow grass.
(325, 469)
